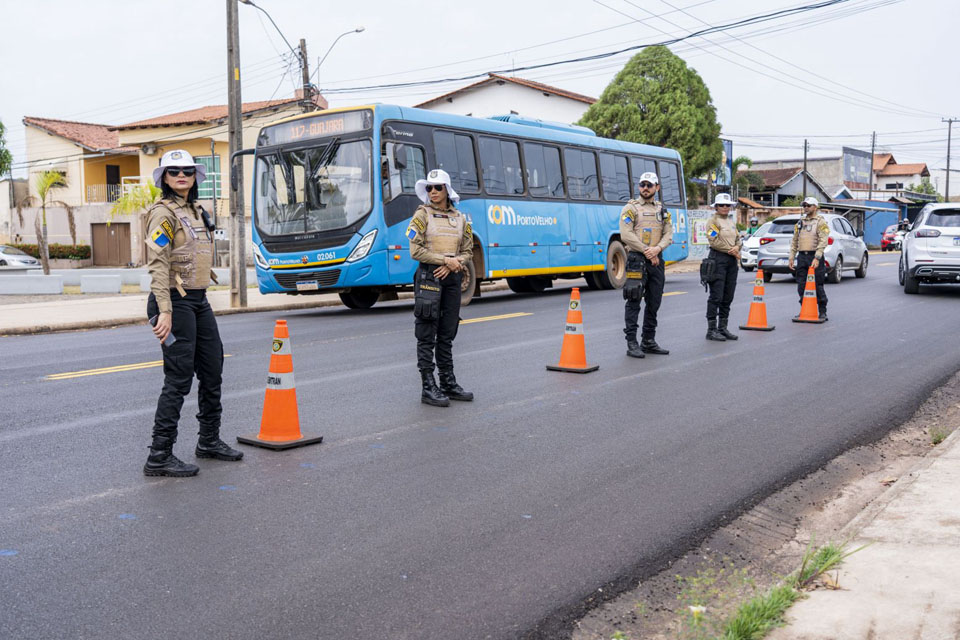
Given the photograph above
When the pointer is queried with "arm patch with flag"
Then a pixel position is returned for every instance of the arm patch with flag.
(714, 231)
(411, 232)
(162, 235)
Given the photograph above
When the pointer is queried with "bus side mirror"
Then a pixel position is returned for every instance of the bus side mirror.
(234, 176)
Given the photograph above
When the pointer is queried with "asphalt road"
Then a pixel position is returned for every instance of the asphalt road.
(489, 519)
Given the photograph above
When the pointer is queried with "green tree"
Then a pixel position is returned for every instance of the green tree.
(6, 159)
(44, 184)
(657, 99)
(925, 187)
(743, 180)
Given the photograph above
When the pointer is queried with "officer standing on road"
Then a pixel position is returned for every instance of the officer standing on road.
(725, 247)
(810, 237)
(646, 229)
(180, 263)
(441, 240)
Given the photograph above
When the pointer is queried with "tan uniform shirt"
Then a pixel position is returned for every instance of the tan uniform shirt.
(437, 233)
(810, 234)
(180, 250)
(722, 234)
(644, 225)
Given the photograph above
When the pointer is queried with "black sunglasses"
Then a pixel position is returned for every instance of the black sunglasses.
(431, 187)
(646, 185)
(807, 205)
(723, 205)
(187, 171)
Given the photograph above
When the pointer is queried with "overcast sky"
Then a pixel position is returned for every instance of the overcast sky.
(834, 74)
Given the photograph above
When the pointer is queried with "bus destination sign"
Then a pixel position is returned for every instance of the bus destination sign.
(323, 126)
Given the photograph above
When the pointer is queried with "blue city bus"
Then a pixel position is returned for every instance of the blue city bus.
(333, 193)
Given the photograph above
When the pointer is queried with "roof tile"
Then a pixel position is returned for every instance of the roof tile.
(95, 137)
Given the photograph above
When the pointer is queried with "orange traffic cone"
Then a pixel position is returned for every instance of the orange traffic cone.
(757, 319)
(573, 354)
(809, 311)
(280, 424)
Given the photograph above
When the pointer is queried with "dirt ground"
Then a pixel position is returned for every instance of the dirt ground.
(768, 541)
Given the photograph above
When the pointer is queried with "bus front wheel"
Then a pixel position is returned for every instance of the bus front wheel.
(615, 274)
(468, 283)
(359, 298)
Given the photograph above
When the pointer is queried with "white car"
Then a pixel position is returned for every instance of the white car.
(845, 248)
(751, 245)
(930, 252)
(12, 257)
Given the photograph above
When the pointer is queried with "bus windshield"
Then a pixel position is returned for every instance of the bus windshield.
(313, 189)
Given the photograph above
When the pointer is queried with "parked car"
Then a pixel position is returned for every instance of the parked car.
(751, 245)
(845, 250)
(931, 248)
(889, 240)
(13, 257)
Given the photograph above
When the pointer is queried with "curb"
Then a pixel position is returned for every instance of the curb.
(121, 322)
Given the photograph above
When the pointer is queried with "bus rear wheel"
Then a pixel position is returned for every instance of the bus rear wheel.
(615, 274)
(359, 298)
(594, 280)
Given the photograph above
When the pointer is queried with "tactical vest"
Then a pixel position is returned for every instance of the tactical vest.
(444, 232)
(728, 230)
(649, 224)
(808, 235)
(191, 261)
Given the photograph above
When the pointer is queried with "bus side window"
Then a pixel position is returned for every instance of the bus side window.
(401, 166)
(455, 156)
(544, 177)
(613, 174)
(670, 183)
(581, 174)
(639, 166)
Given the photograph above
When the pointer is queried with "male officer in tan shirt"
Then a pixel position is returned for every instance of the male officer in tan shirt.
(646, 229)
(725, 246)
(810, 237)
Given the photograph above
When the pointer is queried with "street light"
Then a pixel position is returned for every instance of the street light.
(345, 33)
(262, 10)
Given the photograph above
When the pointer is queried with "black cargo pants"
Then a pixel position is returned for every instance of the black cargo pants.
(723, 287)
(435, 335)
(197, 351)
(652, 295)
(804, 260)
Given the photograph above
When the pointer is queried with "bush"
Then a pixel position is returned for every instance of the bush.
(58, 251)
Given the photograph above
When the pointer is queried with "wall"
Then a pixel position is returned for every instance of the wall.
(500, 99)
(826, 171)
(95, 169)
(874, 224)
(58, 154)
(12, 191)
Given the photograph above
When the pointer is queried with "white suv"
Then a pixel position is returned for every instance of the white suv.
(931, 249)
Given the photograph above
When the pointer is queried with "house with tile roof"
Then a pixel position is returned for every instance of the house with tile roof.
(501, 95)
(889, 175)
(785, 183)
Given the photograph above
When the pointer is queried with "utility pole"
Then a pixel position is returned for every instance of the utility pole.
(805, 145)
(873, 148)
(949, 122)
(238, 234)
(305, 75)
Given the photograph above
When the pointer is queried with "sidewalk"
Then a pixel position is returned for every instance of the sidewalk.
(905, 584)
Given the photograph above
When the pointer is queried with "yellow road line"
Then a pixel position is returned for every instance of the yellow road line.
(885, 264)
(674, 293)
(117, 369)
(503, 317)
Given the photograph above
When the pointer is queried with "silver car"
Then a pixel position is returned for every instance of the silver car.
(931, 249)
(12, 257)
(845, 250)
(751, 246)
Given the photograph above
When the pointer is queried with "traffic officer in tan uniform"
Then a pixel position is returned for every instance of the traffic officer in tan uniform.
(180, 242)
(725, 244)
(441, 240)
(646, 229)
(810, 237)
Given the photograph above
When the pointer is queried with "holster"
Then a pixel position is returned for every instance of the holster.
(708, 271)
(426, 293)
(636, 276)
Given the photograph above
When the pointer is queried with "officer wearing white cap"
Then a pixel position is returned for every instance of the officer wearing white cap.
(180, 241)
(646, 229)
(810, 237)
(441, 240)
(725, 247)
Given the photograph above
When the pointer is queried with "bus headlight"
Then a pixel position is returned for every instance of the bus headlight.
(363, 247)
(258, 258)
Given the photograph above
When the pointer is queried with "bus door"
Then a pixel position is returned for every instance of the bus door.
(547, 216)
(401, 165)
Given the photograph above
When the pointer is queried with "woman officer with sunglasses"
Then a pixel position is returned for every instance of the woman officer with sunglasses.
(180, 264)
(725, 244)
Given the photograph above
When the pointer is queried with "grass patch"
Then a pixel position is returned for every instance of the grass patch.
(817, 561)
(939, 433)
(760, 614)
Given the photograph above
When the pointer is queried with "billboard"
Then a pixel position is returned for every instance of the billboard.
(722, 175)
(857, 167)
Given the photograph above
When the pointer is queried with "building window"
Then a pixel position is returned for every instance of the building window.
(893, 185)
(209, 188)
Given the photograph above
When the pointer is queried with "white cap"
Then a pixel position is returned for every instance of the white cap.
(437, 176)
(811, 200)
(649, 176)
(178, 158)
(723, 198)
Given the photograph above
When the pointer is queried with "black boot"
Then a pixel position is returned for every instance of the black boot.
(162, 462)
(649, 345)
(431, 392)
(722, 328)
(823, 313)
(633, 349)
(712, 333)
(209, 445)
(450, 388)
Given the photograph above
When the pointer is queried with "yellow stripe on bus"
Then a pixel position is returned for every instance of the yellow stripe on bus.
(301, 265)
(509, 273)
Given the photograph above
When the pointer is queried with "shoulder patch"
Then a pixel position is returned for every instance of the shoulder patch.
(714, 231)
(628, 214)
(419, 224)
(411, 232)
(468, 230)
(159, 236)
(666, 215)
(823, 227)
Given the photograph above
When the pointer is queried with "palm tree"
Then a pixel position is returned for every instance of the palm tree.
(45, 182)
(135, 201)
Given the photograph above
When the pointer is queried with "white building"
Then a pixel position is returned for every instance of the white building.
(501, 95)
